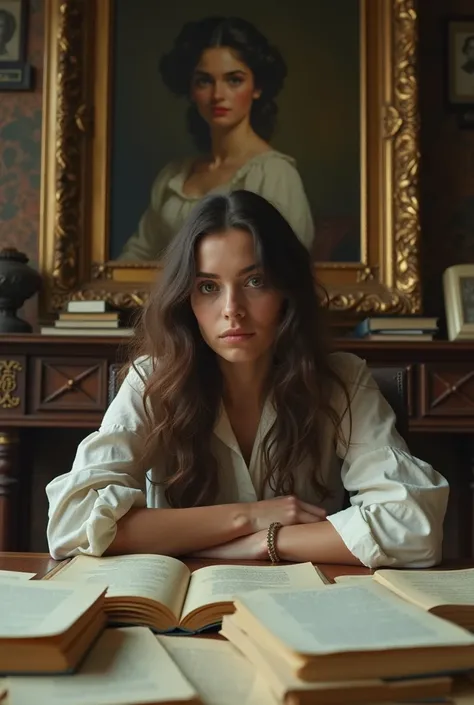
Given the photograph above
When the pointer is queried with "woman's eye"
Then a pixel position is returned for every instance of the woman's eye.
(202, 81)
(207, 288)
(255, 282)
(235, 80)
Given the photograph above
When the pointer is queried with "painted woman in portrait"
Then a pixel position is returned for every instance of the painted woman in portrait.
(231, 75)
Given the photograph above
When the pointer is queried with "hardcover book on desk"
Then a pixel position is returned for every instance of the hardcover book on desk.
(47, 627)
(318, 632)
(161, 593)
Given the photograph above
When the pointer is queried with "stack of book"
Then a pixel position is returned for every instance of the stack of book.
(397, 328)
(88, 318)
(362, 640)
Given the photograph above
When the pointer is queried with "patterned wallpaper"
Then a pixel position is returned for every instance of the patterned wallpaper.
(447, 171)
(20, 150)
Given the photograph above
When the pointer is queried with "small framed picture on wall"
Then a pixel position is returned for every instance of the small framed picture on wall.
(458, 286)
(460, 61)
(15, 72)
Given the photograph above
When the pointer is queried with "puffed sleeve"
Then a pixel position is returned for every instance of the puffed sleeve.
(398, 502)
(151, 237)
(105, 482)
(277, 179)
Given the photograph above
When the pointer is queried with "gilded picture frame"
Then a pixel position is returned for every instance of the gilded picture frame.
(76, 157)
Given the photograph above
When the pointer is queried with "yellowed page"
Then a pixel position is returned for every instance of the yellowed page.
(276, 670)
(430, 588)
(15, 575)
(352, 579)
(221, 583)
(33, 608)
(218, 671)
(126, 666)
(158, 578)
(316, 621)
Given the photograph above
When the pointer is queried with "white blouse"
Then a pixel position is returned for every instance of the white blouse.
(271, 174)
(398, 502)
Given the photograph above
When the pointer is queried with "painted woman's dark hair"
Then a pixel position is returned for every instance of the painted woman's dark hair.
(183, 393)
(253, 49)
(9, 25)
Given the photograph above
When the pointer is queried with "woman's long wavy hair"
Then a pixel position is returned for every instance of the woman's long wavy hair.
(183, 394)
(254, 50)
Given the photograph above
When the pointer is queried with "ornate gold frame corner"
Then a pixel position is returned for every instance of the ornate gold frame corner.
(76, 138)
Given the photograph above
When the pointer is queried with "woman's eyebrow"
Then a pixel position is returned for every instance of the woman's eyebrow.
(200, 73)
(209, 275)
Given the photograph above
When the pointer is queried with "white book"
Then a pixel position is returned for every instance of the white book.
(87, 306)
(93, 332)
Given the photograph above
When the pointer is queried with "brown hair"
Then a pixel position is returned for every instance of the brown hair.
(183, 393)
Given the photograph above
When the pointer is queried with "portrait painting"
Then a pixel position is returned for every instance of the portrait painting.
(11, 30)
(461, 61)
(291, 72)
(312, 108)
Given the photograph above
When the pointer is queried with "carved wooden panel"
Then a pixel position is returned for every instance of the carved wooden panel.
(70, 384)
(447, 389)
(12, 385)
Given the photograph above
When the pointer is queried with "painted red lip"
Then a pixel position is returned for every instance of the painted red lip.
(220, 111)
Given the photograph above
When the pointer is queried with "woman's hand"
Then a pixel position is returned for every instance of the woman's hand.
(248, 548)
(287, 510)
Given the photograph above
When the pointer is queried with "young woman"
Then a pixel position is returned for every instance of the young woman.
(231, 75)
(236, 431)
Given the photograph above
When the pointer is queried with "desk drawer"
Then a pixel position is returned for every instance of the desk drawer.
(69, 384)
(447, 389)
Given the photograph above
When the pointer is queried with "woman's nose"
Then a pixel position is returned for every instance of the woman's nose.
(218, 93)
(233, 305)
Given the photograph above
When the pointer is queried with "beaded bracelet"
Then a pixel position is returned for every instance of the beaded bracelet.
(273, 530)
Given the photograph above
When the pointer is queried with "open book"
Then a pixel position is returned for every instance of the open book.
(288, 688)
(125, 667)
(218, 671)
(47, 628)
(446, 593)
(318, 631)
(160, 592)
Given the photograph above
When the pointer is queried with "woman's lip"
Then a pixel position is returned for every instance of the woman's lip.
(220, 111)
(237, 337)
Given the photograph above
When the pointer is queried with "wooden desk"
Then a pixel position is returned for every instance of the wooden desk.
(62, 382)
(42, 563)
(39, 563)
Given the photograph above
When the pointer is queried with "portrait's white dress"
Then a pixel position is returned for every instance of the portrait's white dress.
(271, 174)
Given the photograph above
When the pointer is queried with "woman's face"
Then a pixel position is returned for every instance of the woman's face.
(237, 312)
(223, 88)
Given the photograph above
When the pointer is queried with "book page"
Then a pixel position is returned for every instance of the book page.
(158, 578)
(125, 666)
(34, 608)
(15, 575)
(316, 621)
(431, 588)
(218, 672)
(355, 579)
(221, 583)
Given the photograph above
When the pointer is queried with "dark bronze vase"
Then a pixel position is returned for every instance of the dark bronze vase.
(18, 282)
